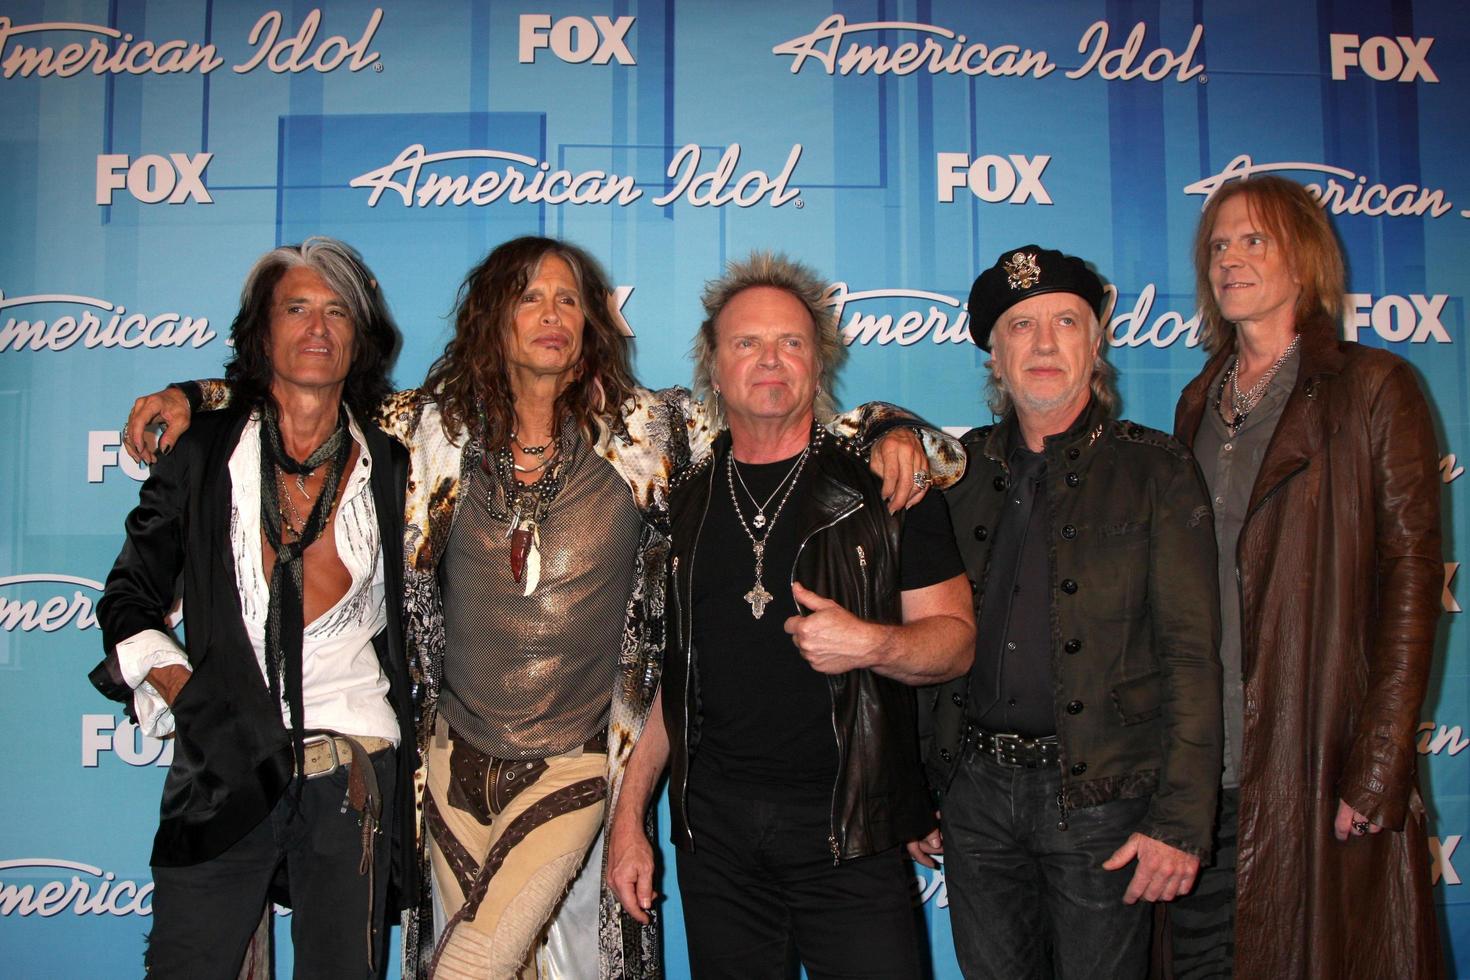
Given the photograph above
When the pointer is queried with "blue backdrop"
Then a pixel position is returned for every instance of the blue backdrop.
(151, 149)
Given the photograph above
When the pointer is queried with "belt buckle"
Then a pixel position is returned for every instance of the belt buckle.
(1006, 746)
(331, 741)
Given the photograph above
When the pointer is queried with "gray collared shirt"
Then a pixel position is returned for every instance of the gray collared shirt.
(1230, 465)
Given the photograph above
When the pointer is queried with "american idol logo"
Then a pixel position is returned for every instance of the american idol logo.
(1342, 192)
(944, 319)
(50, 886)
(1450, 469)
(92, 322)
(67, 601)
(423, 179)
(937, 50)
(940, 318)
(74, 48)
(1441, 739)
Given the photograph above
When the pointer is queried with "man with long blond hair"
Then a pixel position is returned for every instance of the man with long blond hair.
(1321, 461)
(535, 547)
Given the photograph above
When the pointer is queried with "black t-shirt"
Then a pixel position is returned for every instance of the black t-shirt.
(766, 714)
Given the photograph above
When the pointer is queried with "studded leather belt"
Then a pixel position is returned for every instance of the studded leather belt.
(1016, 751)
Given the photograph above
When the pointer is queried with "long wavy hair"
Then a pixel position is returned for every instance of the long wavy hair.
(470, 380)
(776, 271)
(1294, 220)
(376, 336)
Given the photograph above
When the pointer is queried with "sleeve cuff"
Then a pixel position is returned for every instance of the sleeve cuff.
(143, 651)
(155, 718)
(136, 656)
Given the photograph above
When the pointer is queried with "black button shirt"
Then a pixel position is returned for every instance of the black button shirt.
(1011, 682)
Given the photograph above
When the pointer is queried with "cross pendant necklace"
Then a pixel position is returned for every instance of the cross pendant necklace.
(758, 597)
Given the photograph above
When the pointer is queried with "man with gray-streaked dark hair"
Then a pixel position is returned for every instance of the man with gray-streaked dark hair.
(279, 522)
(1076, 762)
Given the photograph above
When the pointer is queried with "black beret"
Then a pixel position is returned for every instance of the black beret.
(1027, 271)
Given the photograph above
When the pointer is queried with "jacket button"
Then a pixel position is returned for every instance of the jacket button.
(957, 699)
(1073, 453)
(999, 483)
(1079, 768)
(1073, 480)
(1069, 532)
(981, 533)
(1069, 586)
(1074, 707)
(974, 587)
(944, 754)
(1072, 645)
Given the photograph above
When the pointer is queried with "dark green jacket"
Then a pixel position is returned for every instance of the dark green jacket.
(1135, 619)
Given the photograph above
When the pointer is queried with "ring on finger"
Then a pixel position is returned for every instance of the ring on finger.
(922, 480)
(1360, 827)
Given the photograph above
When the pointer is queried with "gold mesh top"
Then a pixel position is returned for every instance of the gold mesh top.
(532, 676)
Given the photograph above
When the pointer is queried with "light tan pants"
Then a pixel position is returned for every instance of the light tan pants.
(500, 882)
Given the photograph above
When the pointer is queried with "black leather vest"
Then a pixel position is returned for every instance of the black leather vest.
(848, 550)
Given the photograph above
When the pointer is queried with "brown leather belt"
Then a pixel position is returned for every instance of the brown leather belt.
(597, 743)
(325, 754)
(483, 785)
(1016, 751)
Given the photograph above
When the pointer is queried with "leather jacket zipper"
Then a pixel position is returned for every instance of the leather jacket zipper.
(688, 630)
(832, 843)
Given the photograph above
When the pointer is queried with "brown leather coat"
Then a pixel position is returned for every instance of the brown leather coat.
(1340, 576)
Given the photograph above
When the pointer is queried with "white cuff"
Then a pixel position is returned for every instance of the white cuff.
(136, 656)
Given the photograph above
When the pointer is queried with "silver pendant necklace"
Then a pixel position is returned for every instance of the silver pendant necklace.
(759, 520)
(758, 596)
(1243, 404)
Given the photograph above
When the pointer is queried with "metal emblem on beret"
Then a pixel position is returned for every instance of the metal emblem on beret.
(1022, 272)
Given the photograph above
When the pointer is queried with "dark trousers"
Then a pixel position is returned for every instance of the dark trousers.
(1028, 899)
(760, 892)
(204, 914)
(1202, 923)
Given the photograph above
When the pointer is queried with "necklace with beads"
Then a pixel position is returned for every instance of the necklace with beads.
(526, 504)
(759, 597)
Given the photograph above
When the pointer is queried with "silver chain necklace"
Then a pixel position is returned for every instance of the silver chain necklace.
(1243, 405)
(758, 596)
(759, 520)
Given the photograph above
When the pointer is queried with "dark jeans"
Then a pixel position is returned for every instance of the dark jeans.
(1027, 899)
(760, 891)
(204, 914)
(1202, 923)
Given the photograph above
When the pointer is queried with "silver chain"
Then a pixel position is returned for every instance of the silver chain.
(759, 596)
(1243, 404)
(759, 520)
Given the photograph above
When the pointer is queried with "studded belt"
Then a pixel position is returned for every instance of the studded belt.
(1015, 751)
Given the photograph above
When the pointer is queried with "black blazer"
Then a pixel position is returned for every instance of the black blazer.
(232, 757)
